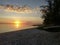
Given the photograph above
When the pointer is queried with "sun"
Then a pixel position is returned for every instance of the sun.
(17, 23)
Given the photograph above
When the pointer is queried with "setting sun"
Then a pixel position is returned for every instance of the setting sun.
(17, 24)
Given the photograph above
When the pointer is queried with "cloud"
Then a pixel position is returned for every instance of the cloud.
(17, 9)
(24, 13)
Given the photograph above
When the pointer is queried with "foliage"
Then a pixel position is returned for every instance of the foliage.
(52, 13)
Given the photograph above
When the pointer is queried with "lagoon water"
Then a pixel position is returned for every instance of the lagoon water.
(13, 27)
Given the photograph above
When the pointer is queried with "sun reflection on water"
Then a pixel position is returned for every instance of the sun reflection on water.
(17, 25)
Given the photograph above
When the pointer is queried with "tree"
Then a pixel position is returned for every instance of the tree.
(52, 14)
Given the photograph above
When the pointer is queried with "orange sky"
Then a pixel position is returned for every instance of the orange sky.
(24, 14)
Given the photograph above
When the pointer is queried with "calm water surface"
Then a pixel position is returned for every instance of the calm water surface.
(13, 27)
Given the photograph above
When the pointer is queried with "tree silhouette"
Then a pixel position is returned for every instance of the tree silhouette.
(52, 13)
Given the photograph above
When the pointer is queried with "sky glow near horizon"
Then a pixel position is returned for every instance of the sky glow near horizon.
(22, 9)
